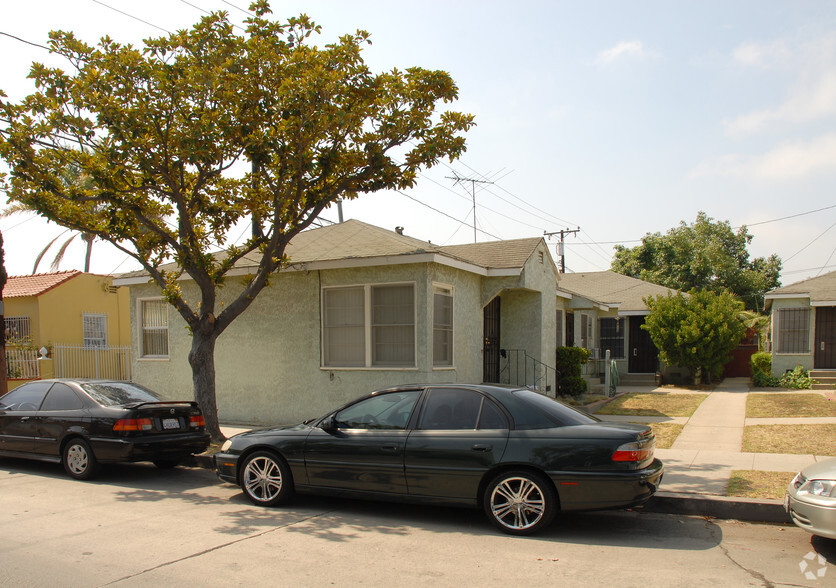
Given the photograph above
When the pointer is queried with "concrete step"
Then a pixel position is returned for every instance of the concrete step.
(637, 379)
(826, 379)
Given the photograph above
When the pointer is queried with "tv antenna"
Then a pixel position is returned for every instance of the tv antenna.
(473, 181)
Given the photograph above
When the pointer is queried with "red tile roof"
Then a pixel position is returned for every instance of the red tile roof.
(35, 285)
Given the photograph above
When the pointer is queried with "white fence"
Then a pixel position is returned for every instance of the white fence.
(22, 364)
(78, 361)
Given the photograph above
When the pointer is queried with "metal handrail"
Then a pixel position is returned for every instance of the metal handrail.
(520, 369)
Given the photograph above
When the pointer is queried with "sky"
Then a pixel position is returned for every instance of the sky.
(613, 119)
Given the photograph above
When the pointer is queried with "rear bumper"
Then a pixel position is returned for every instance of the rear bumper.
(606, 490)
(149, 448)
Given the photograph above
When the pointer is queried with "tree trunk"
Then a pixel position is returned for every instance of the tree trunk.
(202, 360)
(4, 384)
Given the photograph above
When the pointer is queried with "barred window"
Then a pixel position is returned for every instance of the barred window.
(612, 337)
(17, 327)
(792, 330)
(94, 327)
(154, 334)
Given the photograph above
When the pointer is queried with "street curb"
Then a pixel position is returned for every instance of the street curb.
(199, 461)
(719, 507)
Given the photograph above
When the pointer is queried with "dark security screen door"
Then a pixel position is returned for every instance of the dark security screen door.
(490, 350)
(643, 353)
(825, 354)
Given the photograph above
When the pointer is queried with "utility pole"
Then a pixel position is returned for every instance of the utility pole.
(473, 182)
(560, 252)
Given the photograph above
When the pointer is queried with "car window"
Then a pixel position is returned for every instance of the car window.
(458, 409)
(25, 397)
(536, 411)
(382, 411)
(61, 397)
(119, 393)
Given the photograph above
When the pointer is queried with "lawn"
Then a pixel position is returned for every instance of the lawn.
(792, 439)
(637, 404)
(666, 433)
(755, 484)
(789, 405)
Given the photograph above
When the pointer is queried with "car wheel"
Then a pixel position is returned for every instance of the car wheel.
(78, 459)
(266, 479)
(165, 464)
(520, 502)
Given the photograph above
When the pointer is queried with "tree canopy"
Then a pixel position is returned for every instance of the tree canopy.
(194, 133)
(697, 331)
(706, 255)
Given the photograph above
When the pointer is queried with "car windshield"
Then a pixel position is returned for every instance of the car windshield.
(557, 411)
(119, 393)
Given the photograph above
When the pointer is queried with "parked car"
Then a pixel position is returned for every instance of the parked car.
(811, 499)
(517, 454)
(84, 423)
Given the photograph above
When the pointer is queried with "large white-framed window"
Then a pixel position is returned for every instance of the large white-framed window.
(153, 321)
(442, 325)
(792, 330)
(370, 325)
(94, 327)
(611, 336)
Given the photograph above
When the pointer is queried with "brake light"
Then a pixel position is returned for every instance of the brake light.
(197, 421)
(133, 425)
(631, 452)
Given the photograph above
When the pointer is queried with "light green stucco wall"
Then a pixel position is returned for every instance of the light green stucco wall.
(781, 362)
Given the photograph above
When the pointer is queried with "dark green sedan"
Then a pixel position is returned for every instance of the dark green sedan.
(517, 454)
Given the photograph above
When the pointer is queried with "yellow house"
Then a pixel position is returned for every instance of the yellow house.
(80, 319)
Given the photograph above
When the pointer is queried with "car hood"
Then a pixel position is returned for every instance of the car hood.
(300, 428)
(823, 470)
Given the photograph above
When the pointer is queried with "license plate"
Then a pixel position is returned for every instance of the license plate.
(171, 423)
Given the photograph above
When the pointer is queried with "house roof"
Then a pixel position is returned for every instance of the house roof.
(355, 240)
(820, 288)
(612, 288)
(35, 285)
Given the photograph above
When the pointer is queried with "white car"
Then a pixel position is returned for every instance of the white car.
(811, 499)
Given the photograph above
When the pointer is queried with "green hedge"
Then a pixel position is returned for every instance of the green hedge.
(762, 370)
(570, 362)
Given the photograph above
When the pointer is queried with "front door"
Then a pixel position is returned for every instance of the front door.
(825, 354)
(643, 354)
(490, 349)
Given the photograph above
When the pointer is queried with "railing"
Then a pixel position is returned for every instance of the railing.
(78, 361)
(517, 368)
(22, 364)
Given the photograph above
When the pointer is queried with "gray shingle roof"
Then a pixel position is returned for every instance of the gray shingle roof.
(609, 287)
(819, 288)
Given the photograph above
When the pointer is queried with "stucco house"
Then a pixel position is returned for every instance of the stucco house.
(803, 327)
(72, 314)
(358, 308)
(605, 311)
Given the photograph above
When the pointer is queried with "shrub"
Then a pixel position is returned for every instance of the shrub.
(797, 379)
(762, 370)
(570, 361)
(573, 386)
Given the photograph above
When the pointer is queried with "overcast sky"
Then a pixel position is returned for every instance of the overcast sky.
(618, 118)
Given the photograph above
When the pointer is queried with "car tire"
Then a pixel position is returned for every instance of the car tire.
(166, 464)
(520, 502)
(78, 459)
(266, 479)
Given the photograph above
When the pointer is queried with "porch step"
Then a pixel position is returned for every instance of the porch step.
(826, 379)
(637, 380)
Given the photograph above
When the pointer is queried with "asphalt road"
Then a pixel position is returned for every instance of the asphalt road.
(136, 525)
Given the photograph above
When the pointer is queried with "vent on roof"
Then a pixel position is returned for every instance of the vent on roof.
(399, 230)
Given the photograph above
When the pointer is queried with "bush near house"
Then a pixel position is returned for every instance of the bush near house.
(762, 377)
(797, 379)
(570, 362)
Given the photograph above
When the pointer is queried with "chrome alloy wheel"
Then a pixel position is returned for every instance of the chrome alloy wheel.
(517, 503)
(262, 478)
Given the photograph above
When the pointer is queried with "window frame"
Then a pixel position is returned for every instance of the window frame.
(802, 335)
(449, 291)
(141, 329)
(370, 361)
(21, 321)
(94, 342)
(603, 335)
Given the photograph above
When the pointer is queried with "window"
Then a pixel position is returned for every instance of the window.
(452, 410)
(369, 326)
(587, 335)
(17, 327)
(62, 397)
(382, 411)
(154, 331)
(25, 397)
(792, 330)
(442, 326)
(612, 337)
(95, 329)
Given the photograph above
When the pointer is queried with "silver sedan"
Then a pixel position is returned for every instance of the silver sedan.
(811, 499)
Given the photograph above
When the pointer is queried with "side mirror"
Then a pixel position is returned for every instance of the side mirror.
(329, 423)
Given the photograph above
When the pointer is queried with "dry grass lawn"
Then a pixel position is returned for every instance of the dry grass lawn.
(789, 404)
(666, 434)
(637, 404)
(791, 439)
(755, 484)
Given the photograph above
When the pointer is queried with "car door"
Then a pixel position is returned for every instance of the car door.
(460, 435)
(18, 416)
(61, 410)
(363, 447)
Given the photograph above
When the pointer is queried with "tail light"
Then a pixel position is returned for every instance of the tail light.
(133, 425)
(196, 421)
(633, 452)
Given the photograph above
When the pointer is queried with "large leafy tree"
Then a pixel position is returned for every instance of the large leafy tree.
(204, 129)
(707, 255)
(697, 331)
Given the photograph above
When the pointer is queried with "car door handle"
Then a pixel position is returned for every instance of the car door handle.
(391, 447)
(24, 419)
(482, 447)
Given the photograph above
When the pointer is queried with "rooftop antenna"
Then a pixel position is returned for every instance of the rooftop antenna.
(473, 181)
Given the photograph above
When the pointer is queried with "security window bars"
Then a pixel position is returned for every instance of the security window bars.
(17, 327)
(442, 326)
(95, 329)
(793, 330)
(611, 333)
(154, 321)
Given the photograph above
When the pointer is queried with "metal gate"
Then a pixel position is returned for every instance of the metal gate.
(490, 348)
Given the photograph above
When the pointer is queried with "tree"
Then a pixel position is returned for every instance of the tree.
(206, 128)
(706, 255)
(4, 383)
(697, 331)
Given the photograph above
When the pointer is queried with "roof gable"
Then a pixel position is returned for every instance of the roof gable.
(609, 287)
(818, 288)
(37, 284)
